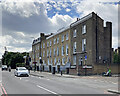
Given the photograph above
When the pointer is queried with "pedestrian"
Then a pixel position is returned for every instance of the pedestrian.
(9, 69)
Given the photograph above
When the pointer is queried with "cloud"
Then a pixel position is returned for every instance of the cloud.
(68, 10)
(18, 27)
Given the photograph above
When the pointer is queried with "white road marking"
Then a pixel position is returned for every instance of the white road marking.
(20, 78)
(114, 83)
(48, 79)
(46, 89)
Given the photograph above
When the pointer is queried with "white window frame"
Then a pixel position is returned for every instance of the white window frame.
(83, 45)
(50, 52)
(62, 38)
(43, 61)
(43, 45)
(54, 61)
(83, 29)
(50, 42)
(75, 33)
(74, 59)
(63, 50)
(74, 47)
(48, 61)
(63, 61)
(54, 52)
(67, 36)
(43, 53)
(57, 51)
(47, 52)
(47, 44)
(67, 49)
(57, 40)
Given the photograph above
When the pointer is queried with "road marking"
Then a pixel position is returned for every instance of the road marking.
(114, 83)
(46, 89)
(4, 90)
(20, 78)
(48, 79)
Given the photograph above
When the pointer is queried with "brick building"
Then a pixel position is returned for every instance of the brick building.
(80, 48)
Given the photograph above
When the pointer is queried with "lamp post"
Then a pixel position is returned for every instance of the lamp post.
(34, 55)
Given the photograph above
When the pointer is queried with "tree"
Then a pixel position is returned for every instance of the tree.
(13, 58)
(116, 57)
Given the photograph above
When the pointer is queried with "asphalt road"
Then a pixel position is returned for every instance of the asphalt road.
(51, 85)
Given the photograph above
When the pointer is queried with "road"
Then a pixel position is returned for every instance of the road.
(53, 85)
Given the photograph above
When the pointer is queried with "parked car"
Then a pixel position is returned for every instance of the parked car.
(21, 71)
(4, 67)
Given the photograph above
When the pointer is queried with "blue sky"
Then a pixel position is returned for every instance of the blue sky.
(72, 13)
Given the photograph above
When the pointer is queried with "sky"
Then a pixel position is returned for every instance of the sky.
(19, 20)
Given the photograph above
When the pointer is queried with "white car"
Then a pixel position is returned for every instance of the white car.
(21, 71)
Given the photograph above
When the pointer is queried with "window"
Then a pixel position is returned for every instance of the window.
(43, 61)
(50, 52)
(47, 44)
(54, 41)
(47, 52)
(75, 33)
(67, 49)
(57, 40)
(48, 61)
(43, 53)
(83, 29)
(63, 61)
(51, 61)
(38, 54)
(83, 44)
(57, 51)
(38, 47)
(74, 60)
(54, 51)
(74, 47)
(62, 50)
(62, 38)
(66, 36)
(50, 43)
(55, 61)
(58, 60)
(43, 45)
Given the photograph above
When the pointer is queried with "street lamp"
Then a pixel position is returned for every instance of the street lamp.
(34, 56)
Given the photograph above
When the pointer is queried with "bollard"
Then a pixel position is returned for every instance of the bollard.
(61, 73)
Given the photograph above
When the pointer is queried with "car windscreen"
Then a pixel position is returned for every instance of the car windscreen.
(22, 69)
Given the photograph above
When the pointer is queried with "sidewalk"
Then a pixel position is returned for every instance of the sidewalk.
(42, 74)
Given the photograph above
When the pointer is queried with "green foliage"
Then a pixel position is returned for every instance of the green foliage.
(13, 58)
(116, 58)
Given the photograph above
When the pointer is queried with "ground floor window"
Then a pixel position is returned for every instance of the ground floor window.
(74, 60)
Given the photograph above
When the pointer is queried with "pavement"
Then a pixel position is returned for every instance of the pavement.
(42, 74)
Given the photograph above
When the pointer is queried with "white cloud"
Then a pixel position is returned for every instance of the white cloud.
(68, 10)
(17, 29)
